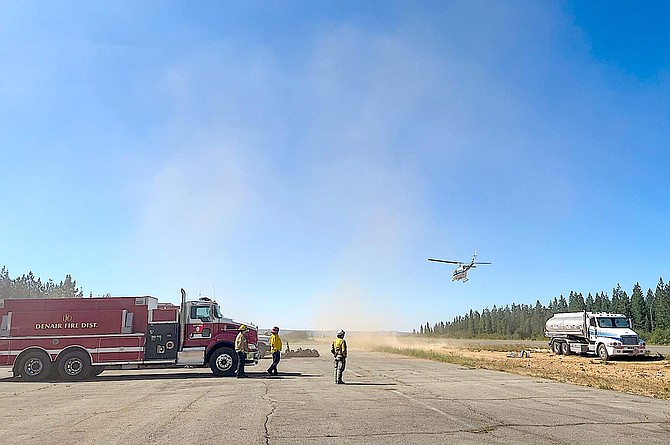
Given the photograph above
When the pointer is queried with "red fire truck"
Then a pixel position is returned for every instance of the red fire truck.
(76, 338)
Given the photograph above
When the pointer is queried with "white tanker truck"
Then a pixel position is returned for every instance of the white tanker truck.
(585, 332)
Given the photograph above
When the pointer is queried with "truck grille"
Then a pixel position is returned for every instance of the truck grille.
(629, 339)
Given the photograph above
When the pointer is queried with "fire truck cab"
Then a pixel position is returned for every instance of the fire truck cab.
(76, 338)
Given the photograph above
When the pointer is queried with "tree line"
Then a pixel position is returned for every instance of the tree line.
(29, 286)
(649, 313)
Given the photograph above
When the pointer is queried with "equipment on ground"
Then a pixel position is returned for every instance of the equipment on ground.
(288, 353)
(603, 334)
(461, 271)
(76, 338)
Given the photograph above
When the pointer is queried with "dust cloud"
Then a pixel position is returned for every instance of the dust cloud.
(348, 307)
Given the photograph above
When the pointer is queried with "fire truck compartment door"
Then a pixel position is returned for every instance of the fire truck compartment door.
(191, 356)
(117, 348)
(162, 341)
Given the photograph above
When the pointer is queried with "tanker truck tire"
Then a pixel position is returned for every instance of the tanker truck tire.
(34, 366)
(223, 362)
(556, 348)
(74, 365)
(602, 352)
(565, 348)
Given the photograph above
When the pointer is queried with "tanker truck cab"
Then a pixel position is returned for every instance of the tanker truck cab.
(604, 334)
(613, 336)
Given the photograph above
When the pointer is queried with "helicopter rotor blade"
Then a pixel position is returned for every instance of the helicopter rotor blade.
(444, 261)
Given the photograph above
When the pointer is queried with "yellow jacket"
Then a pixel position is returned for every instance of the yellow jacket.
(275, 343)
(340, 347)
(241, 343)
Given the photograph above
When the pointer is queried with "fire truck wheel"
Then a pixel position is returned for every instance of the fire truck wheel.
(223, 362)
(34, 366)
(74, 365)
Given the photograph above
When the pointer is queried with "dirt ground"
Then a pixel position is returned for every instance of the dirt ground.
(646, 376)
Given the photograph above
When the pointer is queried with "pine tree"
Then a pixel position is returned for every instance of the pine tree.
(648, 313)
(661, 307)
(626, 305)
(638, 308)
(599, 303)
(590, 303)
(576, 302)
(5, 283)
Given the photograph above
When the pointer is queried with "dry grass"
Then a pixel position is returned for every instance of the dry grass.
(648, 378)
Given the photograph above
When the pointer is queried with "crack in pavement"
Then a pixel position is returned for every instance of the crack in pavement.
(273, 407)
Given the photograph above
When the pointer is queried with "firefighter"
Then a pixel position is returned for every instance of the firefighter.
(241, 347)
(339, 351)
(275, 349)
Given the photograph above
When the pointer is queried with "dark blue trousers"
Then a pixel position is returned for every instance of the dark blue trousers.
(276, 356)
(241, 357)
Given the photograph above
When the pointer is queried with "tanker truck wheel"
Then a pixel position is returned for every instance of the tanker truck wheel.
(602, 352)
(74, 365)
(556, 348)
(565, 348)
(223, 362)
(34, 366)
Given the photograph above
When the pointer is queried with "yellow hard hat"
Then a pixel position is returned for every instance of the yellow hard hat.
(243, 327)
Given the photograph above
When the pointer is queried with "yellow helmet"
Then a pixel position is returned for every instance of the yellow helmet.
(243, 327)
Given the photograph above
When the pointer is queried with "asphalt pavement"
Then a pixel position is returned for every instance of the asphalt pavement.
(386, 399)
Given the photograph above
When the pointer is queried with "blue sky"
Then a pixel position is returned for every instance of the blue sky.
(300, 161)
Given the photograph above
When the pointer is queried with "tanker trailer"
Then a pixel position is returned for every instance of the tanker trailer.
(603, 334)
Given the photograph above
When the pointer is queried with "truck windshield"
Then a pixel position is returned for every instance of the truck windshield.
(612, 322)
(200, 312)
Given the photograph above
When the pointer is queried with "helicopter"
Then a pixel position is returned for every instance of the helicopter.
(461, 271)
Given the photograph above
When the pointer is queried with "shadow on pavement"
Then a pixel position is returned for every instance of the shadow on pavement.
(164, 376)
(368, 384)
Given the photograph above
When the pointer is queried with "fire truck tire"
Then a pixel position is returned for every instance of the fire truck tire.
(34, 366)
(74, 365)
(223, 362)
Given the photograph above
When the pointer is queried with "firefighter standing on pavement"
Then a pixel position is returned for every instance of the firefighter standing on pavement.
(275, 349)
(241, 347)
(339, 351)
